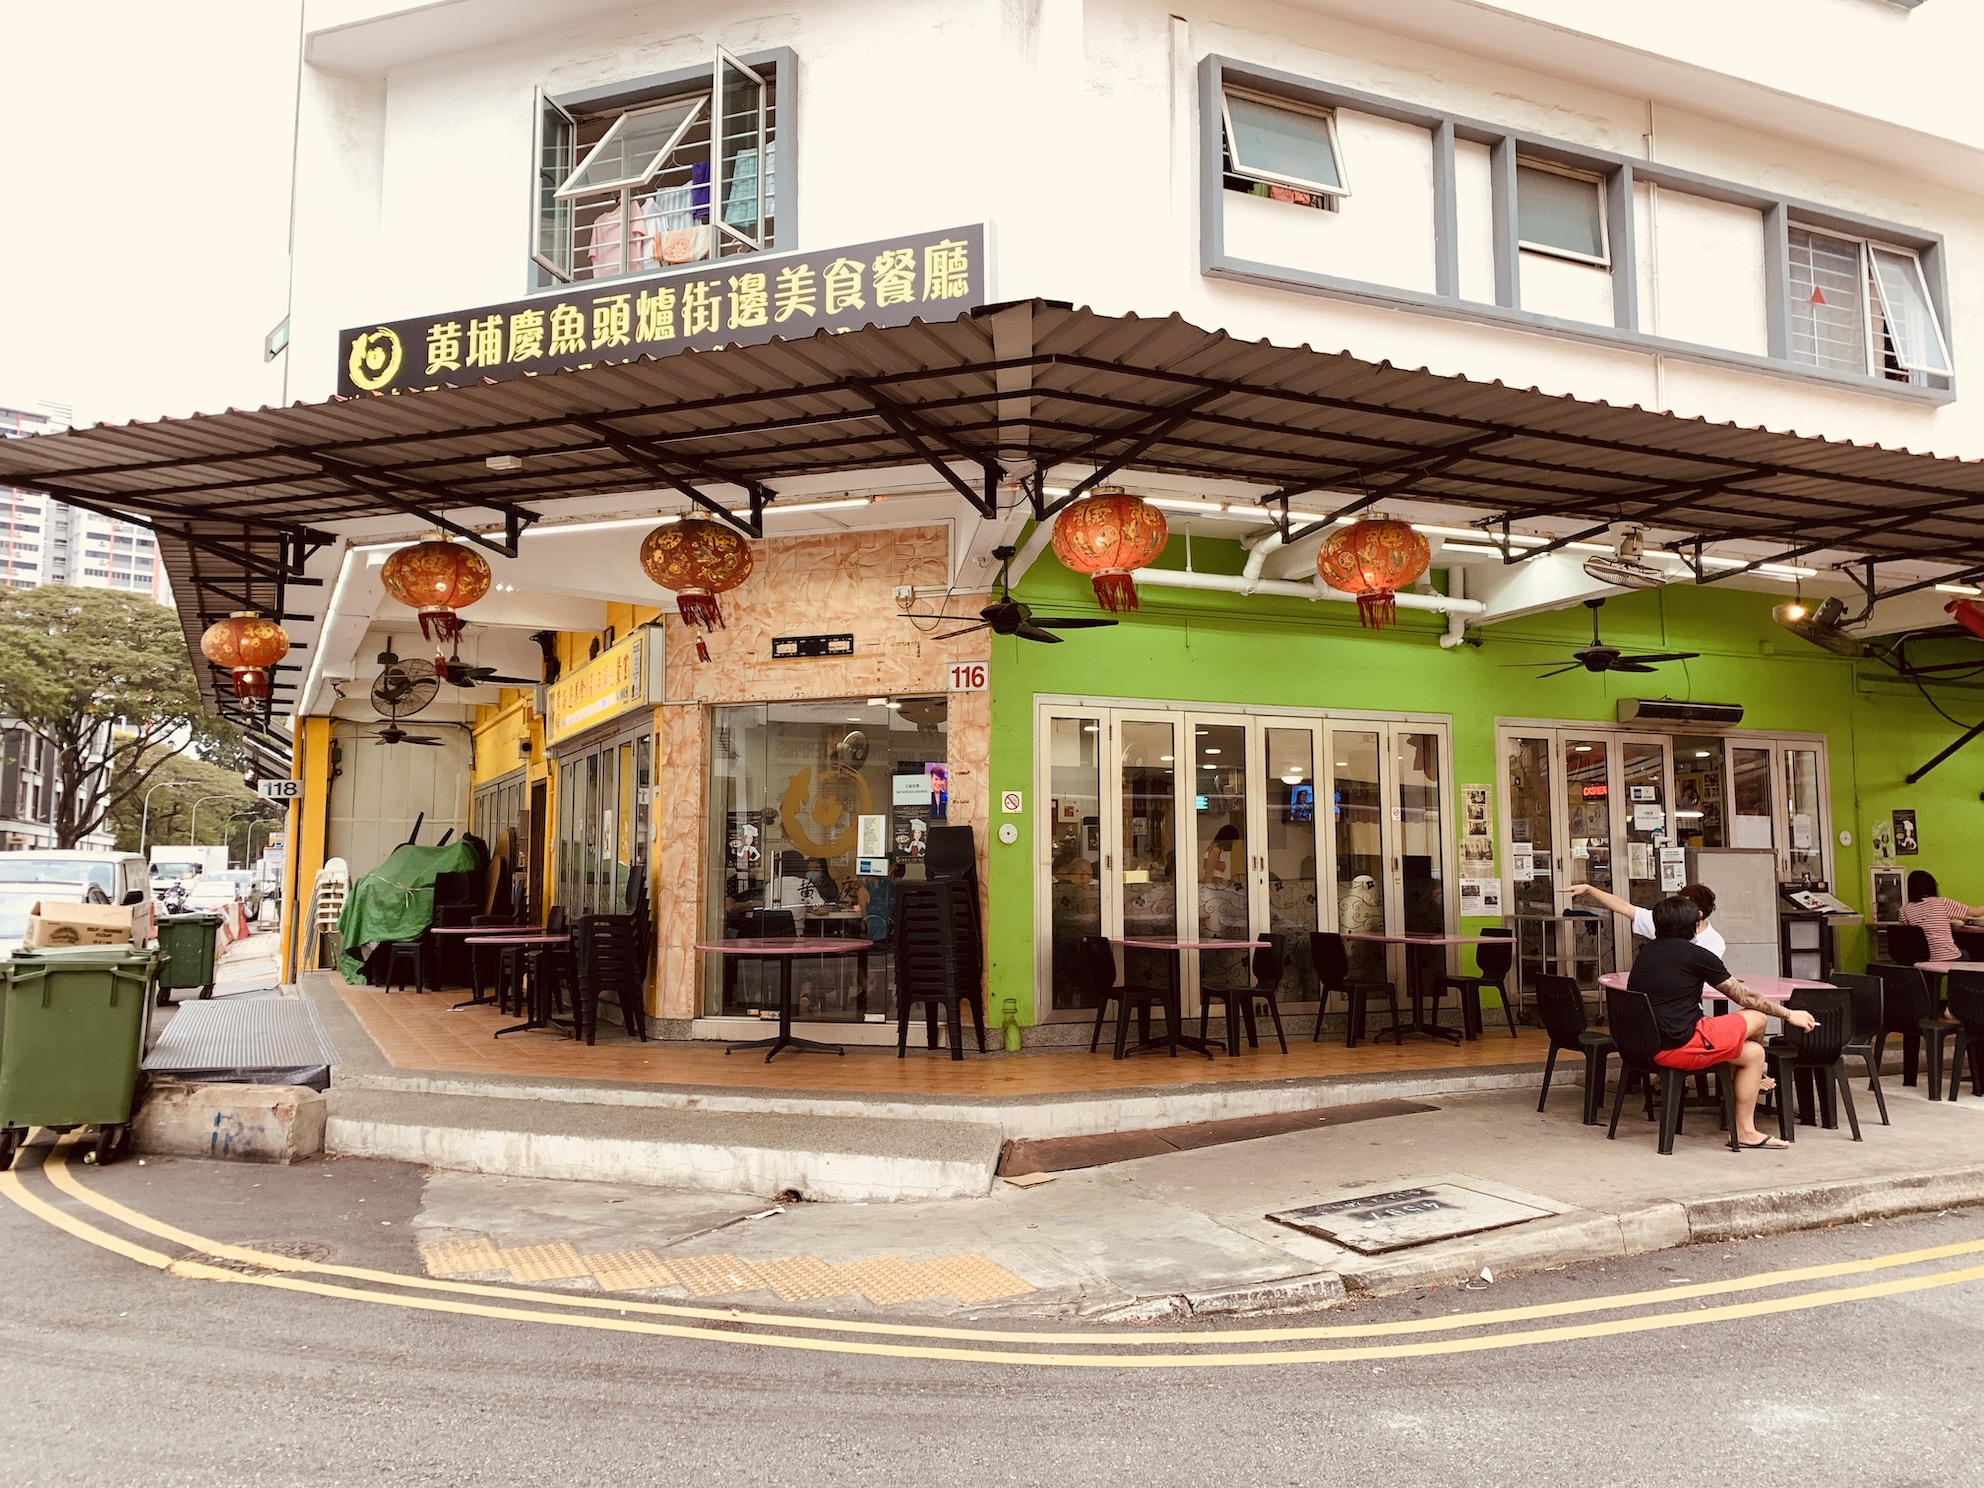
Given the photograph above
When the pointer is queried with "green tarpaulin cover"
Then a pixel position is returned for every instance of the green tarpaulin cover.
(395, 901)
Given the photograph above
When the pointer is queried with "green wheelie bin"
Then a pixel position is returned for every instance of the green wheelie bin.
(187, 942)
(72, 1030)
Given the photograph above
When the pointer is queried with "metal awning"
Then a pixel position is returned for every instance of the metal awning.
(997, 397)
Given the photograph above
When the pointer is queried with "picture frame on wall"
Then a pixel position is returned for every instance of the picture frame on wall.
(1905, 842)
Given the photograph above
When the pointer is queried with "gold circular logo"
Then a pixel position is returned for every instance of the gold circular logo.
(375, 358)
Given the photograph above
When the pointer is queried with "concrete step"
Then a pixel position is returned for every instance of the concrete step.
(852, 1158)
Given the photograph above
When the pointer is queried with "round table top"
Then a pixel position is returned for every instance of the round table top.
(476, 929)
(1771, 989)
(1172, 943)
(784, 945)
(488, 939)
(1941, 968)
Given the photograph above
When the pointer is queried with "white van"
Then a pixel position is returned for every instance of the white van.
(31, 875)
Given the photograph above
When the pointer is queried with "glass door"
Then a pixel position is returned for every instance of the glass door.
(1643, 823)
(1804, 835)
(1073, 746)
(1226, 794)
(1419, 853)
(1291, 854)
(1147, 874)
(1359, 823)
(1530, 852)
(1588, 819)
(1751, 814)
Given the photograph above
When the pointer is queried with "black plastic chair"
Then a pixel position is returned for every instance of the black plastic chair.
(1098, 972)
(753, 924)
(1637, 1034)
(1868, 1018)
(401, 954)
(490, 957)
(1966, 1006)
(1331, 958)
(938, 962)
(608, 960)
(1817, 1055)
(1492, 960)
(1908, 944)
(1560, 1006)
(1267, 965)
(1908, 1008)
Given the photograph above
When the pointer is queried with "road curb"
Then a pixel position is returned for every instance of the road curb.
(1580, 1235)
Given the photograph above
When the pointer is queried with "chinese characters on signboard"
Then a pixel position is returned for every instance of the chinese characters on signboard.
(737, 301)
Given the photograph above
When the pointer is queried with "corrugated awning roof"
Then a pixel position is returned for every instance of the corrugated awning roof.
(239, 498)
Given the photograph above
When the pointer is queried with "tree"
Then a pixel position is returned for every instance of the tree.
(175, 787)
(103, 679)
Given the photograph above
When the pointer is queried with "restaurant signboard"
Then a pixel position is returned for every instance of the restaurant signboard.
(625, 676)
(740, 301)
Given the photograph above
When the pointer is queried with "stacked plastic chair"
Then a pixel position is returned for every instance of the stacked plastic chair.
(939, 961)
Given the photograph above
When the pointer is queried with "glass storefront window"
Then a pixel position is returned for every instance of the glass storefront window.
(818, 810)
(1148, 827)
(1074, 751)
(1699, 796)
(1749, 788)
(1805, 854)
(1357, 808)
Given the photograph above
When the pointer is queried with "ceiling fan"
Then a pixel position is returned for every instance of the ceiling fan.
(1599, 657)
(452, 670)
(1007, 616)
(399, 692)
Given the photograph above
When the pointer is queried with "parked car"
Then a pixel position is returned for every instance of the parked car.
(245, 885)
(212, 891)
(34, 875)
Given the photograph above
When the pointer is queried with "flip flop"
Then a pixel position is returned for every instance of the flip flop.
(1766, 1144)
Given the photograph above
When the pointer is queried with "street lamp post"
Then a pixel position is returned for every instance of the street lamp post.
(145, 817)
(249, 817)
(195, 833)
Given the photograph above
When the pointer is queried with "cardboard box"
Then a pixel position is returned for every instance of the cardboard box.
(55, 924)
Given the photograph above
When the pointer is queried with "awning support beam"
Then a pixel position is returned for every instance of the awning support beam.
(919, 434)
(1962, 739)
(637, 451)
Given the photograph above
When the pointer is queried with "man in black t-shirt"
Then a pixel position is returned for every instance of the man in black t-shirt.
(1672, 972)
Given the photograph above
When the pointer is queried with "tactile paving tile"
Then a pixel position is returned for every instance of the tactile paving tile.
(630, 1270)
(884, 1280)
(712, 1275)
(558, 1262)
(461, 1257)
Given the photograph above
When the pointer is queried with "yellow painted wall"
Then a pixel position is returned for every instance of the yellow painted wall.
(304, 854)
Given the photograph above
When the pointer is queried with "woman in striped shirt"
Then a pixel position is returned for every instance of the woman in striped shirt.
(1933, 915)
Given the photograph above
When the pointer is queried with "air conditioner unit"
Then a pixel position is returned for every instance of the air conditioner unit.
(1667, 713)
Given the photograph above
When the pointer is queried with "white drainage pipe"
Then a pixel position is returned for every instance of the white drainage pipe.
(1177, 578)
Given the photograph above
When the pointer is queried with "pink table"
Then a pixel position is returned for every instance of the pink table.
(1174, 1002)
(782, 949)
(537, 1011)
(1771, 989)
(1412, 983)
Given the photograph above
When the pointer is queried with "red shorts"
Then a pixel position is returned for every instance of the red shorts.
(1714, 1041)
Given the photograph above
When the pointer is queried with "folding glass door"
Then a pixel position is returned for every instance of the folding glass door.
(1174, 823)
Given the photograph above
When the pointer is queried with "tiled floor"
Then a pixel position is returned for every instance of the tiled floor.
(421, 1032)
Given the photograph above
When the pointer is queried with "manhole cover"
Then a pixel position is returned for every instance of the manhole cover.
(1393, 1219)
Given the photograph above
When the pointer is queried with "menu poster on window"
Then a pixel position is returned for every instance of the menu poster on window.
(1480, 896)
(872, 837)
(1673, 869)
(1477, 833)
(741, 301)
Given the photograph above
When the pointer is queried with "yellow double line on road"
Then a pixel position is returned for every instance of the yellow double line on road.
(1100, 1348)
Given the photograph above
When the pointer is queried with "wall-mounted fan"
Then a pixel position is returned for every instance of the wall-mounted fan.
(1007, 616)
(1626, 565)
(1599, 657)
(398, 692)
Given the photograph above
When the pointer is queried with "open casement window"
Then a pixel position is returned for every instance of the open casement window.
(742, 164)
(1561, 213)
(1278, 143)
(552, 148)
(1863, 307)
(677, 175)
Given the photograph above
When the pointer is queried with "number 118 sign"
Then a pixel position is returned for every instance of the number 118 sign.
(968, 676)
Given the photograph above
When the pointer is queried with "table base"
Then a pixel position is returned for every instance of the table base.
(786, 1039)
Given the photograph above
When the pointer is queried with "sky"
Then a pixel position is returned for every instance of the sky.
(145, 238)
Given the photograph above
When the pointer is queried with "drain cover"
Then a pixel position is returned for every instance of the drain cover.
(1394, 1219)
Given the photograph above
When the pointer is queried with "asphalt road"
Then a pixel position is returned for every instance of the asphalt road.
(115, 1373)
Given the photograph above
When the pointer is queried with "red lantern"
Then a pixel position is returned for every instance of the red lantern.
(1373, 559)
(249, 646)
(436, 578)
(1109, 536)
(698, 559)
(1968, 613)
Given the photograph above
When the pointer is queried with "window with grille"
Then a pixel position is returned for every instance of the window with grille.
(680, 175)
(1864, 307)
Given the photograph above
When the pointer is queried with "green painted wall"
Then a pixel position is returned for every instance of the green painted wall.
(1228, 649)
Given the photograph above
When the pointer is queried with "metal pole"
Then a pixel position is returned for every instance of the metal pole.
(246, 816)
(195, 833)
(145, 817)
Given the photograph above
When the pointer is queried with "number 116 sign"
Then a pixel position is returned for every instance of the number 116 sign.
(968, 676)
